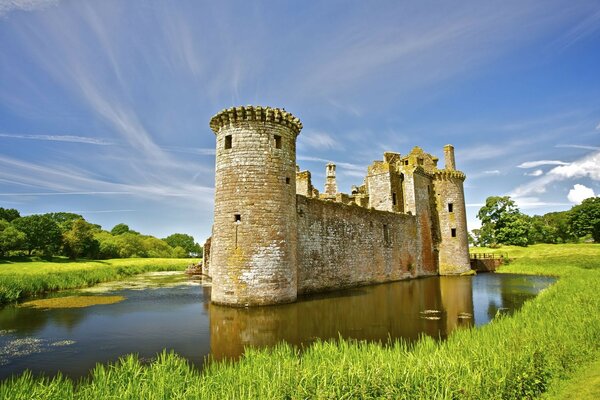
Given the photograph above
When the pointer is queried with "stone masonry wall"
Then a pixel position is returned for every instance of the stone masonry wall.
(453, 251)
(253, 250)
(347, 245)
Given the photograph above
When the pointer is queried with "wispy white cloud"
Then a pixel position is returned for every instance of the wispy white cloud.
(6, 6)
(59, 138)
(65, 193)
(349, 166)
(533, 164)
(589, 26)
(318, 140)
(578, 146)
(492, 172)
(580, 193)
(537, 172)
(588, 166)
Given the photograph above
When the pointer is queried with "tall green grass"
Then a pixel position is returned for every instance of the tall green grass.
(19, 280)
(513, 357)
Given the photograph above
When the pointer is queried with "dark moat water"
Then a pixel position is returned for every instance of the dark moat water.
(173, 312)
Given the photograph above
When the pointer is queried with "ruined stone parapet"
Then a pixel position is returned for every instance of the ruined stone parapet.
(304, 183)
(253, 260)
(232, 115)
(448, 174)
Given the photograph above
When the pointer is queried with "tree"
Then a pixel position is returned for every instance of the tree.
(156, 248)
(64, 220)
(120, 229)
(502, 222)
(184, 241)
(108, 246)
(513, 229)
(130, 245)
(9, 214)
(10, 238)
(79, 239)
(585, 218)
(41, 233)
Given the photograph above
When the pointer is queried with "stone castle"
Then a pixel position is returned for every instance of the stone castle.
(275, 236)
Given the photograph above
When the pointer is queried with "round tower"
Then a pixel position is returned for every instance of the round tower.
(253, 249)
(452, 215)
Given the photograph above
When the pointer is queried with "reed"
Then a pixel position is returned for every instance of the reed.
(513, 357)
(19, 280)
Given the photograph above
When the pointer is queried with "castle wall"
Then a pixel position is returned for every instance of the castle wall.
(342, 246)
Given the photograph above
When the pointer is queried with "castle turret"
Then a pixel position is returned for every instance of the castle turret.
(452, 215)
(253, 249)
(330, 182)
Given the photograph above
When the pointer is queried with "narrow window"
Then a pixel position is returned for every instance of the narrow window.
(228, 142)
(277, 141)
(287, 180)
(453, 232)
(450, 207)
(405, 162)
(386, 234)
(237, 218)
(394, 199)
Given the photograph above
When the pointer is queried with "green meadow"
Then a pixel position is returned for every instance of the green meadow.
(32, 276)
(545, 349)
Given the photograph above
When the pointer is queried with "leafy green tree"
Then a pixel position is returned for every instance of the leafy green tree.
(79, 239)
(502, 222)
(10, 238)
(154, 247)
(64, 220)
(9, 214)
(130, 245)
(120, 229)
(513, 229)
(108, 246)
(41, 233)
(184, 241)
(562, 228)
(180, 252)
(551, 228)
(585, 218)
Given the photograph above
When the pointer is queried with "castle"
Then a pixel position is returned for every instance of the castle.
(275, 236)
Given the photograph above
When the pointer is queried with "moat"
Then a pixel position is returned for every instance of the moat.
(163, 311)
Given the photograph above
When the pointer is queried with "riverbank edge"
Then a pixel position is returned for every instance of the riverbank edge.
(23, 280)
(512, 357)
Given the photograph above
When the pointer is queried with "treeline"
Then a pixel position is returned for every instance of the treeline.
(503, 223)
(69, 234)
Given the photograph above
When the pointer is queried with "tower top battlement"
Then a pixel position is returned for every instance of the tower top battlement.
(231, 115)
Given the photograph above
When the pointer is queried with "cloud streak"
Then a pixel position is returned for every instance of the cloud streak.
(533, 164)
(59, 138)
(7, 6)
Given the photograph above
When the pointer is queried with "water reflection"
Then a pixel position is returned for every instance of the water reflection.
(180, 317)
(433, 306)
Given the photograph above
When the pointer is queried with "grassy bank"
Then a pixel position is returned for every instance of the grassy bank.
(513, 357)
(22, 279)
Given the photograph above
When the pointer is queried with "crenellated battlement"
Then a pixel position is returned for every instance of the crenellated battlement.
(231, 115)
(447, 173)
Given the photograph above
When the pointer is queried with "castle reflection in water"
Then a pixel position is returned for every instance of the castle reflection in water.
(432, 306)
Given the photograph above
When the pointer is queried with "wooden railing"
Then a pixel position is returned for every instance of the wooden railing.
(485, 256)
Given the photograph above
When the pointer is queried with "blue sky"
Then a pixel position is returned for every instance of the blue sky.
(104, 105)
